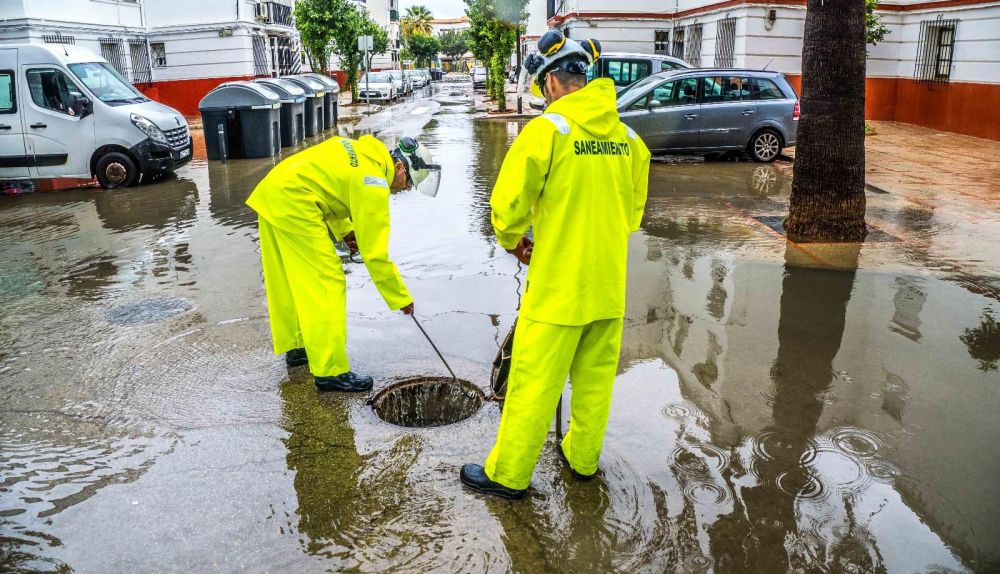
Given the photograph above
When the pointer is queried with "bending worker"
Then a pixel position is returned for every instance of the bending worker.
(578, 176)
(340, 186)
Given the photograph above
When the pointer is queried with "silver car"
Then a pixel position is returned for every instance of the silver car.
(704, 110)
(626, 68)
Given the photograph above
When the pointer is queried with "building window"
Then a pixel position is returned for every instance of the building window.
(58, 38)
(159, 50)
(113, 50)
(678, 50)
(725, 43)
(934, 51)
(661, 42)
(692, 48)
(141, 70)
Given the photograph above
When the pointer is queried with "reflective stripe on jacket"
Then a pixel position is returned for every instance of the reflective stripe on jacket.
(341, 185)
(578, 176)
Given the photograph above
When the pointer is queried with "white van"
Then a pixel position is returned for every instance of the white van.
(66, 112)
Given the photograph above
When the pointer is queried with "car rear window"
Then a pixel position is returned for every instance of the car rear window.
(666, 65)
(767, 90)
(625, 72)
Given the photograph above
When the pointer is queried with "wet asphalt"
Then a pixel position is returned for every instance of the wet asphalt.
(779, 407)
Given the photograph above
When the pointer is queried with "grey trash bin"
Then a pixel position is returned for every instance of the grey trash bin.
(315, 100)
(293, 109)
(241, 120)
(332, 94)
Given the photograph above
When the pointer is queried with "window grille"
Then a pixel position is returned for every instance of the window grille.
(679, 43)
(692, 48)
(58, 38)
(725, 43)
(159, 50)
(113, 50)
(260, 57)
(141, 69)
(661, 42)
(935, 49)
(295, 66)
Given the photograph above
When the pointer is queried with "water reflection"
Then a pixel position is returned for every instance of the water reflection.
(983, 342)
(171, 203)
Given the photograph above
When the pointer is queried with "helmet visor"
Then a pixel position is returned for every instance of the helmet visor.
(430, 184)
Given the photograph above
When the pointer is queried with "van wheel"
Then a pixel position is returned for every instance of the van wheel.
(765, 146)
(116, 170)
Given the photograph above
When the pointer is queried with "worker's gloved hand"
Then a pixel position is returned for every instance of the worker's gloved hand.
(408, 310)
(352, 242)
(523, 250)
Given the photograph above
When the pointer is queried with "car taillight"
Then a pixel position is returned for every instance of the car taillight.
(795, 112)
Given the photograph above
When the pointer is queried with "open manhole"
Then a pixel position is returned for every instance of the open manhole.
(428, 402)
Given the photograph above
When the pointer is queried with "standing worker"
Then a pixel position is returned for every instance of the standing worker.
(578, 176)
(340, 186)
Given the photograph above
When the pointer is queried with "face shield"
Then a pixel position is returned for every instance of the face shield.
(424, 174)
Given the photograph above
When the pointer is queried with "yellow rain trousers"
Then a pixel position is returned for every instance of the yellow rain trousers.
(338, 186)
(578, 177)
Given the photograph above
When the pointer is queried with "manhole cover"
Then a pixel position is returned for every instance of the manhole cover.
(428, 402)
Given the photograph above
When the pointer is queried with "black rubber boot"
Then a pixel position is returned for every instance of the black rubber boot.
(474, 476)
(296, 358)
(346, 382)
(576, 475)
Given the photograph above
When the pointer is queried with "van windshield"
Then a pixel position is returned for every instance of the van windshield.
(106, 83)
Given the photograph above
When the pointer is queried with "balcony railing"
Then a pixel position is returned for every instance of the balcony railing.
(273, 13)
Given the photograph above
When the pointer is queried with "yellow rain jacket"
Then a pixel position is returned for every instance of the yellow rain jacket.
(581, 224)
(578, 176)
(343, 185)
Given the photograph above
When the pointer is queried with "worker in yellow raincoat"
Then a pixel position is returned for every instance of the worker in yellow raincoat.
(339, 187)
(578, 176)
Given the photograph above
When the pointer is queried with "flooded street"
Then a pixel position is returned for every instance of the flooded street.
(778, 408)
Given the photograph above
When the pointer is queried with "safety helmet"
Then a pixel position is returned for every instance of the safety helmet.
(421, 170)
(557, 51)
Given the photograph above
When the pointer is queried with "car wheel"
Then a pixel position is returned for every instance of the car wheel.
(765, 146)
(116, 170)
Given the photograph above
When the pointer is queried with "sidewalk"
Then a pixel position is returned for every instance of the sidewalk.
(915, 162)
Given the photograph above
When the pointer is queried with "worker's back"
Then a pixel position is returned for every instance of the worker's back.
(592, 170)
(312, 188)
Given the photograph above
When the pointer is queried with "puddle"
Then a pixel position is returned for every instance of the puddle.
(147, 310)
(428, 402)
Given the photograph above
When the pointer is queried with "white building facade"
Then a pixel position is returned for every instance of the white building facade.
(175, 51)
(939, 66)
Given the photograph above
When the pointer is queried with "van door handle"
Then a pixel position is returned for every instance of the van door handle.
(691, 116)
(748, 112)
(39, 125)
(4, 127)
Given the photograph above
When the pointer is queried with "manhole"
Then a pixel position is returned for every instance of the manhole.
(428, 402)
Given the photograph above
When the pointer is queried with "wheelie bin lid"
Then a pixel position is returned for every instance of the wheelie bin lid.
(240, 95)
(331, 85)
(290, 92)
(313, 85)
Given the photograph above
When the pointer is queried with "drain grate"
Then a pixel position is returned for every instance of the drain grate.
(428, 402)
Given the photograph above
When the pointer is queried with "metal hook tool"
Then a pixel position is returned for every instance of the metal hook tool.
(414, 317)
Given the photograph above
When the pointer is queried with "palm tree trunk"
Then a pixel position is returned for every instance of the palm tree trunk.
(828, 185)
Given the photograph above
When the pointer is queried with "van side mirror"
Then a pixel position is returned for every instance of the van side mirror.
(82, 106)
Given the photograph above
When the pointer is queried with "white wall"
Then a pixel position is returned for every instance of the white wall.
(203, 54)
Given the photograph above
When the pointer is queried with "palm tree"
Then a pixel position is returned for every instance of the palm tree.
(417, 21)
(828, 185)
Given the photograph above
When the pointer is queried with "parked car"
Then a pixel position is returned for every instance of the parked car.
(626, 68)
(703, 110)
(403, 84)
(478, 78)
(66, 112)
(377, 86)
(418, 78)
